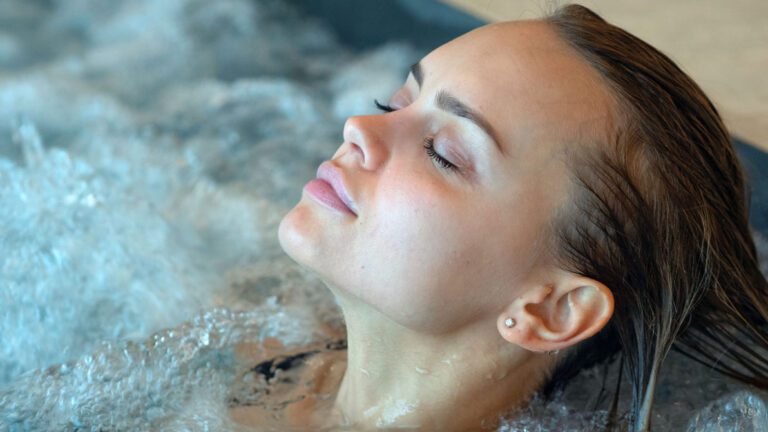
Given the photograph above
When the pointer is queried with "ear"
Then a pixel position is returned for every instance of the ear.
(555, 316)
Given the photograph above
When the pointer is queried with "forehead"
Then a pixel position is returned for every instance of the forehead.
(528, 83)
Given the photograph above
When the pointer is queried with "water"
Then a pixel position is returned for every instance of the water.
(147, 153)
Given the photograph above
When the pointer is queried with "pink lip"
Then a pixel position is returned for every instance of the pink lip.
(329, 188)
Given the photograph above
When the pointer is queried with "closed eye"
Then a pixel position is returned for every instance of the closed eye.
(383, 107)
(428, 143)
(445, 163)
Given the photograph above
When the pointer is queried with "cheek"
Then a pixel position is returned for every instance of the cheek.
(426, 247)
(423, 221)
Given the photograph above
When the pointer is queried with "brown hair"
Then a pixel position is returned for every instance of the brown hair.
(659, 214)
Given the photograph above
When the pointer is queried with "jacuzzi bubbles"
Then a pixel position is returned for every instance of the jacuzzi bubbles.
(176, 377)
(148, 150)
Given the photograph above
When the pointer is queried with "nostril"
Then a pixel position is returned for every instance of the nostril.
(349, 147)
(357, 149)
(359, 133)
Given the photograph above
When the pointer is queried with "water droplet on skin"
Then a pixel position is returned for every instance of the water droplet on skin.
(500, 375)
(449, 361)
(392, 410)
(370, 411)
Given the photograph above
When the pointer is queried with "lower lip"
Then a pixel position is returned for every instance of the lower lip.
(324, 193)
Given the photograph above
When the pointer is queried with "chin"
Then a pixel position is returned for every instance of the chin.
(301, 237)
(292, 236)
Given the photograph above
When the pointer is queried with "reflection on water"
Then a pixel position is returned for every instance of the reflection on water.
(148, 150)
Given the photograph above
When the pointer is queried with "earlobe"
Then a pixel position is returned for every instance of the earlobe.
(554, 317)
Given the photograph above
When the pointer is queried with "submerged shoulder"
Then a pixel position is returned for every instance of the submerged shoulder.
(286, 388)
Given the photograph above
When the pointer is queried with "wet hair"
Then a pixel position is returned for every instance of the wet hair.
(659, 214)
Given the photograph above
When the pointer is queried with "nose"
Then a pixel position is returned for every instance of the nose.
(363, 134)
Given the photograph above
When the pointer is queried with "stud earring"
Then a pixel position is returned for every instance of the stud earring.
(509, 322)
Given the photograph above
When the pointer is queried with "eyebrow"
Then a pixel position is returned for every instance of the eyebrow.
(448, 102)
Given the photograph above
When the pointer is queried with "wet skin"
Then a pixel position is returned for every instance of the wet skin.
(437, 257)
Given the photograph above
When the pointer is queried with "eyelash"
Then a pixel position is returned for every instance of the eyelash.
(383, 107)
(428, 142)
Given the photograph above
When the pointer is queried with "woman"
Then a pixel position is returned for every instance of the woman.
(538, 196)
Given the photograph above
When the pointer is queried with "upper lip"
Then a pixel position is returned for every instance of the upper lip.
(328, 172)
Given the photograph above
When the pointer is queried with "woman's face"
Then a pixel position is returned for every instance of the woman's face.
(432, 247)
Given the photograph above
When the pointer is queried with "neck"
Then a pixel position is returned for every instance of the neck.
(397, 378)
